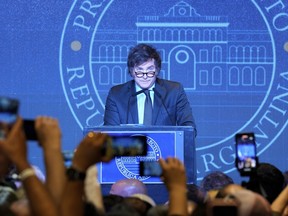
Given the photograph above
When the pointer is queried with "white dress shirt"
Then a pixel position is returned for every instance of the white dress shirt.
(141, 102)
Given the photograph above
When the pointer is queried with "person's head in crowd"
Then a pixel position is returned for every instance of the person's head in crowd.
(215, 181)
(269, 181)
(229, 189)
(242, 202)
(90, 210)
(251, 204)
(285, 174)
(111, 200)
(222, 207)
(140, 202)
(158, 210)
(128, 187)
(144, 65)
(195, 194)
(122, 209)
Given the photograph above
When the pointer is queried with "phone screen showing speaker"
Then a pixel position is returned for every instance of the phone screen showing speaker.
(150, 168)
(8, 114)
(127, 145)
(246, 152)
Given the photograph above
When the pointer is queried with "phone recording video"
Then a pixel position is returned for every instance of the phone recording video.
(223, 207)
(125, 145)
(8, 114)
(150, 168)
(246, 155)
(29, 129)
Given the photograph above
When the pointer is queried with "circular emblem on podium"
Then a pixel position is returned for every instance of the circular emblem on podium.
(129, 166)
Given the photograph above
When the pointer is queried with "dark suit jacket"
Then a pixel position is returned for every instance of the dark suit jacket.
(171, 106)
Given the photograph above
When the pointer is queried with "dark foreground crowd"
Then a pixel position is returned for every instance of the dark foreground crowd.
(75, 191)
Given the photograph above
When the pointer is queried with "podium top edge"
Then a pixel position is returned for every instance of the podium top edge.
(139, 127)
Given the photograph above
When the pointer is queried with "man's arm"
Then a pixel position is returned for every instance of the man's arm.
(281, 202)
(174, 177)
(88, 153)
(92, 188)
(49, 137)
(40, 200)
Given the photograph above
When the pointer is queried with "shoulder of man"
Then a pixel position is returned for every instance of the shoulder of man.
(124, 86)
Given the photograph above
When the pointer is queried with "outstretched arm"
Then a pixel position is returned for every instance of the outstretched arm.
(93, 192)
(174, 177)
(280, 203)
(49, 137)
(88, 153)
(14, 146)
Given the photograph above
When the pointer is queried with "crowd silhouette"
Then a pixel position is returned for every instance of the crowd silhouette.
(76, 191)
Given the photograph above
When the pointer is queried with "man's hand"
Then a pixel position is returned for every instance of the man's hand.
(89, 151)
(174, 177)
(48, 132)
(14, 146)
(173, 173)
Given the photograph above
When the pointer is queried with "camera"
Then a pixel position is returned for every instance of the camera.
(150, 168)
(125, 145)
(246, 154)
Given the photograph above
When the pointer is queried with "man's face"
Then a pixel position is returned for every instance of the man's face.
(145, 74)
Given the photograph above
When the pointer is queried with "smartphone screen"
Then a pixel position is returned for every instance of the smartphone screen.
(126, 145)
(8, 114)
(246, 156)
(150, 168)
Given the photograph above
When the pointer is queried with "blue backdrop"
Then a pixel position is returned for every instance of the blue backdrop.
(60, 58)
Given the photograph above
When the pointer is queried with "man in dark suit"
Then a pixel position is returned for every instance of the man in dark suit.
(125, 103)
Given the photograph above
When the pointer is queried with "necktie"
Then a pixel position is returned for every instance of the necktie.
(147, 109)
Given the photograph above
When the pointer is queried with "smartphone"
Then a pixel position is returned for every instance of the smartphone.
(8, 114)
(125, 145)
(67, 155)
(246, 155)
(222, 207)
(29, 129)
(150, 168)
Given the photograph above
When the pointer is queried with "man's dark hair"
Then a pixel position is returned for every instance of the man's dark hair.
(142, 53)
(111, 200)
(268, 181)
(215, 181)
(195, 194)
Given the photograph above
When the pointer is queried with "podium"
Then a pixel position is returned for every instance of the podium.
(163, 141)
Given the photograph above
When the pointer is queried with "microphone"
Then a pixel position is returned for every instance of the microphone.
(162, 101)
(133, 95)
